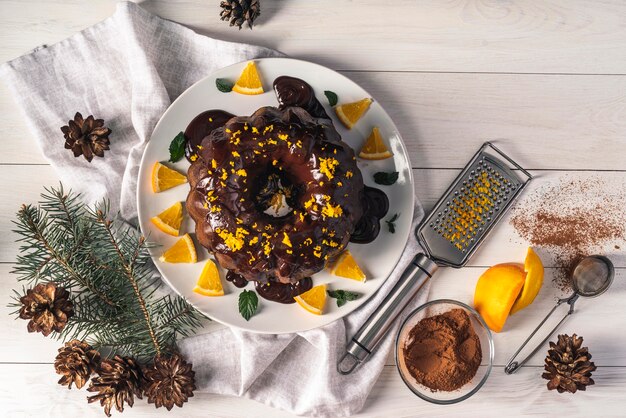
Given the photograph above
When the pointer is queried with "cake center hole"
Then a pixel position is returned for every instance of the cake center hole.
(274, 195)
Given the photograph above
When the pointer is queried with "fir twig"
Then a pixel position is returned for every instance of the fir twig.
(128, 272)
(104, 264)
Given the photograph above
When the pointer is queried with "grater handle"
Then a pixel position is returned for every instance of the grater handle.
(380, 321)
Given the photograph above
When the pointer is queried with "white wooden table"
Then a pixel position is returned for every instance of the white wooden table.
(546, 78)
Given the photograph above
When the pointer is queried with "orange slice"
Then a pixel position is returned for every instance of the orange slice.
(170, 219)
(313, 300)
(345, 266)
(164, 178)
(183, 251)
(209, 283)
(249, 81)
(350, 113)
(534, 280)
(375, 148)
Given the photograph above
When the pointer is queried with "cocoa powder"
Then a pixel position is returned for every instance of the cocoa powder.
(572, 218)
(443, 352)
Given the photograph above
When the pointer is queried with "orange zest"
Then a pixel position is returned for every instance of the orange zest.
(375, 148)
(350, 113)
(313, 300)
(346, 266)
(209, 283)
(170, 219)
(183, 251)
(164, 178)
(249, 81)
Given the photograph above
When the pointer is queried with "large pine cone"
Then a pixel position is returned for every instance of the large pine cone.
(48, 307)
(567, 367)
(86, 136)
(119, 380)
(240, 12)
(76, 361)
(169, 381)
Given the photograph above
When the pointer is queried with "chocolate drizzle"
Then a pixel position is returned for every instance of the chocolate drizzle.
(200, 127)
(291, 91)
(375, 207)
(236, 279)
(283, 292)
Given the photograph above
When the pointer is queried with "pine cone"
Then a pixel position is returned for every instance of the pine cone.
(169, 381)
(240, 12)
(86, 136)
(119, 380)
(76, 361)
(567, 365)
(48, 307)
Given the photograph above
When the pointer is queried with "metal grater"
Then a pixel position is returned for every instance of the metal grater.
(471, 206)
(449, 235)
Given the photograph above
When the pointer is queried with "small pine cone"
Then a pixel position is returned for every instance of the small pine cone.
(169, 381)
(48, 307)
(119, 380)
(76, 361)
(86, 136)
(568, 367)
(239, 12)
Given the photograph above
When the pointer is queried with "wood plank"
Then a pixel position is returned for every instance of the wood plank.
(504, 244)
(32, 391)
(556, 36)
(444, 118)
(19, 346)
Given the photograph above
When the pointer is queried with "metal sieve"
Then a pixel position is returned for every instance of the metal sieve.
(592, 276)
(449, 235)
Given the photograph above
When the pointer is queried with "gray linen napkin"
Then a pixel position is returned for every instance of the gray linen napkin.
(127, 70)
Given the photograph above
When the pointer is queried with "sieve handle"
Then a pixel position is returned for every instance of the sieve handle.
(380, 321)
(513, 365)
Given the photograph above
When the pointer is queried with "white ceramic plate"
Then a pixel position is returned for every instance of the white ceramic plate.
(377, 259)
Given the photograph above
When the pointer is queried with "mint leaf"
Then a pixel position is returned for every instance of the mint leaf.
(248, 303)
(342, 296)
(177, 147)
(224, 85)
(332, 97)
(391, 223)
(386, 179)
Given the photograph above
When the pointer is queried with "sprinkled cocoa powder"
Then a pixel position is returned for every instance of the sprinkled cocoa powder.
(572, 219)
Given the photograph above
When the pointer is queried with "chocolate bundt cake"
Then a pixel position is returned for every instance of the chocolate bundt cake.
(242, 163)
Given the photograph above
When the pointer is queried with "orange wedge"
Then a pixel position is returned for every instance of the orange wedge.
(183, 251)
(209, 283)
(375, 148)
(164, 178)
(249, 81)
(313, 300)
(345, 266)
(350, 113)
(170, 219)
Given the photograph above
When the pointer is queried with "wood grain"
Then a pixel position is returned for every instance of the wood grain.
(17, 187)
(545, 79)
(443, 118)
(524, 36)
(389, 398)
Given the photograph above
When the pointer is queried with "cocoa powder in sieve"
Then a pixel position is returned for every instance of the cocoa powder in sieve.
(443, 352)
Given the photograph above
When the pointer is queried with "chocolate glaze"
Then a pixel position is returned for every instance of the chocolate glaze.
(283, 292)
(200, 127)
(229, 221)
(291, 91)
(375, 207)
(239, 200)
(236, 279)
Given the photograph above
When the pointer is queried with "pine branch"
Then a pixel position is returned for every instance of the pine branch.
(128, 271)
(105, 265)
